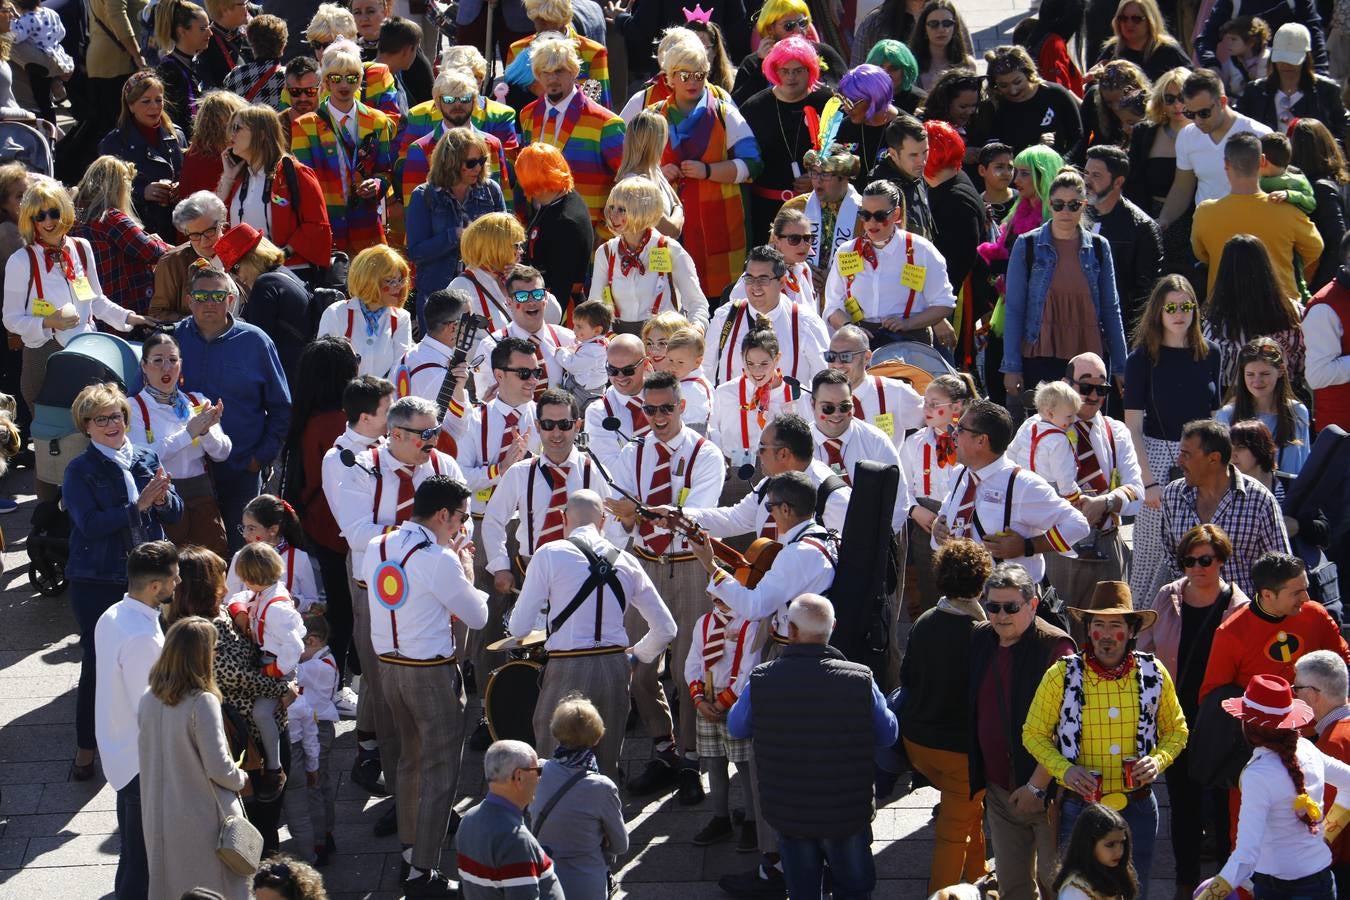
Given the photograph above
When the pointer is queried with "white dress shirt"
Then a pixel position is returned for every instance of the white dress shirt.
(320, 682)
(558, 571)
(928, 475)
(128, 640)
(157, 426)
(513, 501)
(1115, 454)
(606, 445)
(489, 300)
(426, 365)
(379, 352)
(22, 288)
(250, 202)
(741, 652)
(802, 338)
(749, 516)
(1037, 509)
(797, 287)
(880, 292)
(585, 363)
(549, 339)
(878, 398)
(1322, 333)
(560, 108)
(438, 589)
(735, 425)
(333, 471)
(637, 296)
(697, 473)
(697, 395)
(806, 564)
(863, 441)
(478, 433)
(297, 576)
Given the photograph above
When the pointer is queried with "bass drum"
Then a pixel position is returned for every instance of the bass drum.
(512, 693)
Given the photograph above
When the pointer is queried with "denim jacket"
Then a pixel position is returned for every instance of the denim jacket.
(434, 221)
(1024, 301)
(103, 520)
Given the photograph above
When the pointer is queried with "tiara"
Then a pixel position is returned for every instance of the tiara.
(697, 14)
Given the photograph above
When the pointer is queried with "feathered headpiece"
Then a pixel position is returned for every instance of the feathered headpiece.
(825, 154)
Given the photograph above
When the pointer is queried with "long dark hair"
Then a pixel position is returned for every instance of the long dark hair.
(269, 510)
(1315, 151)
(325, 367)
(1061, 17)
(1246, 298)
(1284, 743)
(896, 22)
(1264, 350)
(958, 48)
(1094, 823)
(950, 85)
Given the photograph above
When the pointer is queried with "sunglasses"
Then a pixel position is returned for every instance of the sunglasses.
(535, 295)
(451, 98)
(625, 371)
(844, 356)
(560, 424)
(1087, 390)
(792, 25)
(1204, 562)
(43, 215)
(525, 373)
(1131, 19)
(209, 296)
(965, 429)
(392, 283)
(770, 504)
(935, 24)
(425, 434)
(769, 448)
(475, 162)
(335, 78)
(1171, 99)
(1202, 114)
(1011, 609)
(1060, 205)
(797, 240)
(843, 406)
(319, 46)
(303, 92)
(880, 216)
(652, 409)
(1171, 308)
(110, 419)
(687, 77)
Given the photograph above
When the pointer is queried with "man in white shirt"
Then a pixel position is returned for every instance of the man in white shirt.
(892, 280)
(1200, 169)
(423, 369)
(888, 403)
(758, 297)
(588, 647)
(419, 574)
(527, 300)
(627, 365)
(127, 641)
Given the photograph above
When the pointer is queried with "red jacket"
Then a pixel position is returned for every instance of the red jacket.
(1055, 64)
(1331, 405)
(320, 432)
(308, 234)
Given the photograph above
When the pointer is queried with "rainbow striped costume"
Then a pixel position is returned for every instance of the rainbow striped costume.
(594, 64)
(591, 140)
(357, 222)
(378, 90)
(488, 116)
(413, 166)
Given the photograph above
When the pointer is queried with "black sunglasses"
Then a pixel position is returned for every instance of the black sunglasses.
(879, 216)
(1169, 99)
(625, 371)
(43, 214)
(796, 25)
(1011, 609)
(770, 504)
(1205, 561)
(1201, 114)
(560, 424)
(829, 409)
(525, 373)
(1087, 390)
(844, 356)
(475, 162)
(797, 239)
(1059, 205)
(1132, 19)
(652, 409)
(425, 434)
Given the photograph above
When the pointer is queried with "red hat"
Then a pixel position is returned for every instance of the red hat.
(1269, 702)
(236, 243)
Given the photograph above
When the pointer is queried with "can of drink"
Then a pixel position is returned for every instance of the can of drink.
(1127, 772)
(1095, 796)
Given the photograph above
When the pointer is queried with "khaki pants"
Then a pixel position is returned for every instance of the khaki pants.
(1024, 846)
(959, 852)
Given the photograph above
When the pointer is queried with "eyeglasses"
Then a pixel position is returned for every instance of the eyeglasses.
(687, 77)
(791, 72)
(1131, 19)
(392, 283)
(966, 429)
(425, 434)
(1204, 562)
(1305, 687)
(1172, 308)
(844, 356)
(1201, 114)
(450, 99)
(1171, 99)
(1010, 609)
(792, 25)
(761, 280)
(525, 373)
(475, 162)
(560, 424)
(935, 24)
(625, 371)
(335, 78)
(162, 362)
(1072, 205)
(43, 215)
(829, 409)
(797, 240)
(535, 769)
(652, 409)
(535, 295)
(879, 216)
(209, 296)
(770, 504)
(111, 419)
(1087, 390)
(302, 92)
(204, 233)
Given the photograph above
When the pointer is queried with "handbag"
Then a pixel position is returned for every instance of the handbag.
(239, 845)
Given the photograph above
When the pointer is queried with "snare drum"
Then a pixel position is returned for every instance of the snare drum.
(510, 699)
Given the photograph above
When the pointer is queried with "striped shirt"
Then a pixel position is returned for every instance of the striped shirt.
(499, 857)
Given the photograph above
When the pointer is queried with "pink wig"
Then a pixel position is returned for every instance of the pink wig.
(794, 49)
(946, 149)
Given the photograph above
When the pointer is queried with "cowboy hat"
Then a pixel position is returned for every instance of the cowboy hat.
(1269, 702)
(1112, 598)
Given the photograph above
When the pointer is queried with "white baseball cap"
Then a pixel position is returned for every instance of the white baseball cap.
(1291, 44)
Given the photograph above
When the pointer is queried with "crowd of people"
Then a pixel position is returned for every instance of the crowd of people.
(569, 364)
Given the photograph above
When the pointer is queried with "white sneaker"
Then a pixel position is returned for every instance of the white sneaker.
(346, 703)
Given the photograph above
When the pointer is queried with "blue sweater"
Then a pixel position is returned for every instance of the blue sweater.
(242, 368)
(104, 523)
(499, 858)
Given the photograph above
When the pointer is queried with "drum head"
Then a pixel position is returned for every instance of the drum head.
(508, 703)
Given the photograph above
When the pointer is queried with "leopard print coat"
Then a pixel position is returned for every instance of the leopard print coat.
(239, 678)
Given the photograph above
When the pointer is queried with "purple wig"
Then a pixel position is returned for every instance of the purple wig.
(870, 83)
(794, 49)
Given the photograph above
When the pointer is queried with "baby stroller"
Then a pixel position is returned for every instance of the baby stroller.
(911, 362)
(27, 139)
(91, 358)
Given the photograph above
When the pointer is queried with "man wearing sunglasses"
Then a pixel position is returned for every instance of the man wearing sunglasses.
(757, 297)
(627, 365)
(670, 465)
(888, 403)
(302, 85)
(890, 282)
(1136, 244)
(831, 207)
(530, 305)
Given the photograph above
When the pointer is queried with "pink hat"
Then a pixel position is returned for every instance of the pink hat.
(1269, 702)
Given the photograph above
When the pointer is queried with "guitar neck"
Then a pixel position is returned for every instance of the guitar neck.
(446, 393)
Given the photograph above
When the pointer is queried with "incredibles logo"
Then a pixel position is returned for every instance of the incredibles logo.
(1284, 647)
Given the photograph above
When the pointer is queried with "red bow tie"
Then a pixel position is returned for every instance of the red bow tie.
(60, 258)
(869, 253)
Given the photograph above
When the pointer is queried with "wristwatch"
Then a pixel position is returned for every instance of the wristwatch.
(1028, 547)
(1038, 793)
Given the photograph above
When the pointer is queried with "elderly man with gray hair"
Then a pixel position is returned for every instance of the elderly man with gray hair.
(1009, 655)
(1320, 680)
(498, 856)
(201, 217)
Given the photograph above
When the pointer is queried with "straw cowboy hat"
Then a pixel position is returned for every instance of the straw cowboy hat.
(1269, 702)
(1112, 598)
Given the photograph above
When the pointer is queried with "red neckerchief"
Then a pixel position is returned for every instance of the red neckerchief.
(60, 257)
(1114, 673)
(791, 283)
(946, 450)
(632, 259)
(869, 252)
(761, 401)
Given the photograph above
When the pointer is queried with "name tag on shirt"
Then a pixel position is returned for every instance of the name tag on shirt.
(886, 422)
(660, 261)
(484, 495)
(850, 262)
(992, 495)
(913, 277)
(84, 291)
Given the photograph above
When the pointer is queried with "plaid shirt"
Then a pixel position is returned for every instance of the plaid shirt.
(125, 255)
(1248, 514)
(244, 76)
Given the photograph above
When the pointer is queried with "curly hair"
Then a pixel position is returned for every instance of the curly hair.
(210, 127)
(960, 569)
(291, 878)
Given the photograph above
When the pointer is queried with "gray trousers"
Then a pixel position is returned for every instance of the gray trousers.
(427, 707)
(1024, 846)
(602, 679)
(683, 586)
(1075, 579)
(370, 698)
(310, 810)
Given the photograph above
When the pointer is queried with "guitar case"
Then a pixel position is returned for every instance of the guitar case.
(865, 576)
(1322, 484)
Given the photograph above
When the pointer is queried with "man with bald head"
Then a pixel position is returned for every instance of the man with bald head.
(580, 587)
(888, 403)
(1110, 483)
(626, 364)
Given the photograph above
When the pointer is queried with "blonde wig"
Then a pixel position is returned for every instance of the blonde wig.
(372, 266)
(42, 194)
(641, 200)
(489, 242)
(554, 54)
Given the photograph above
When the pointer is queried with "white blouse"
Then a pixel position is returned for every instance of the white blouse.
(638, 296)
(379, 352)
(30, 284)
(157, 426)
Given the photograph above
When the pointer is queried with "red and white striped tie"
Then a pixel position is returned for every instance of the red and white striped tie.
(660, 495)
(963, 524)
(509, 432)
(542, 384)
(834, 452)
(553, 519)
(715, 645)
(406, 491)
(640, 424)
(1089, 467)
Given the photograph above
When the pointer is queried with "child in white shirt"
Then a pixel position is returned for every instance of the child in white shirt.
(303, 731)
(42, 28)
(319, 684)
(270, 618)
(270, 520)
(583, 364)
(684, 360)
(1042, 443)
(744, 405)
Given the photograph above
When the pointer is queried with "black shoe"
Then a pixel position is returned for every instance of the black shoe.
(752, 884)
(454, 824)
(691, 787)
(481, 739)
(270, 785)
(387, 824)
(366, 774)
(322, 855)
(24, 459)
(749, 842)
(716, 831)
(657, 778)
(430, 884)
(329, 842)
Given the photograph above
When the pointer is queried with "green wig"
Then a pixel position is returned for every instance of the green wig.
(1044, 164)
(892, 54)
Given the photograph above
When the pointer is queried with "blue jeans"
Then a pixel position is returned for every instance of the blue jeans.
(133, 871)
(852, 870)
(1141, 814)
(1321, 886)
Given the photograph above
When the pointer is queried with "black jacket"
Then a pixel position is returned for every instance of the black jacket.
(558, 243)
(1274, 13)
(278, 303)
(225, 51)
(642, 24)
(750, 78)
(918, 211)
(1329, 217)
(1323, 103)
(959, 218)
(1136, 255)
(159, 163)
